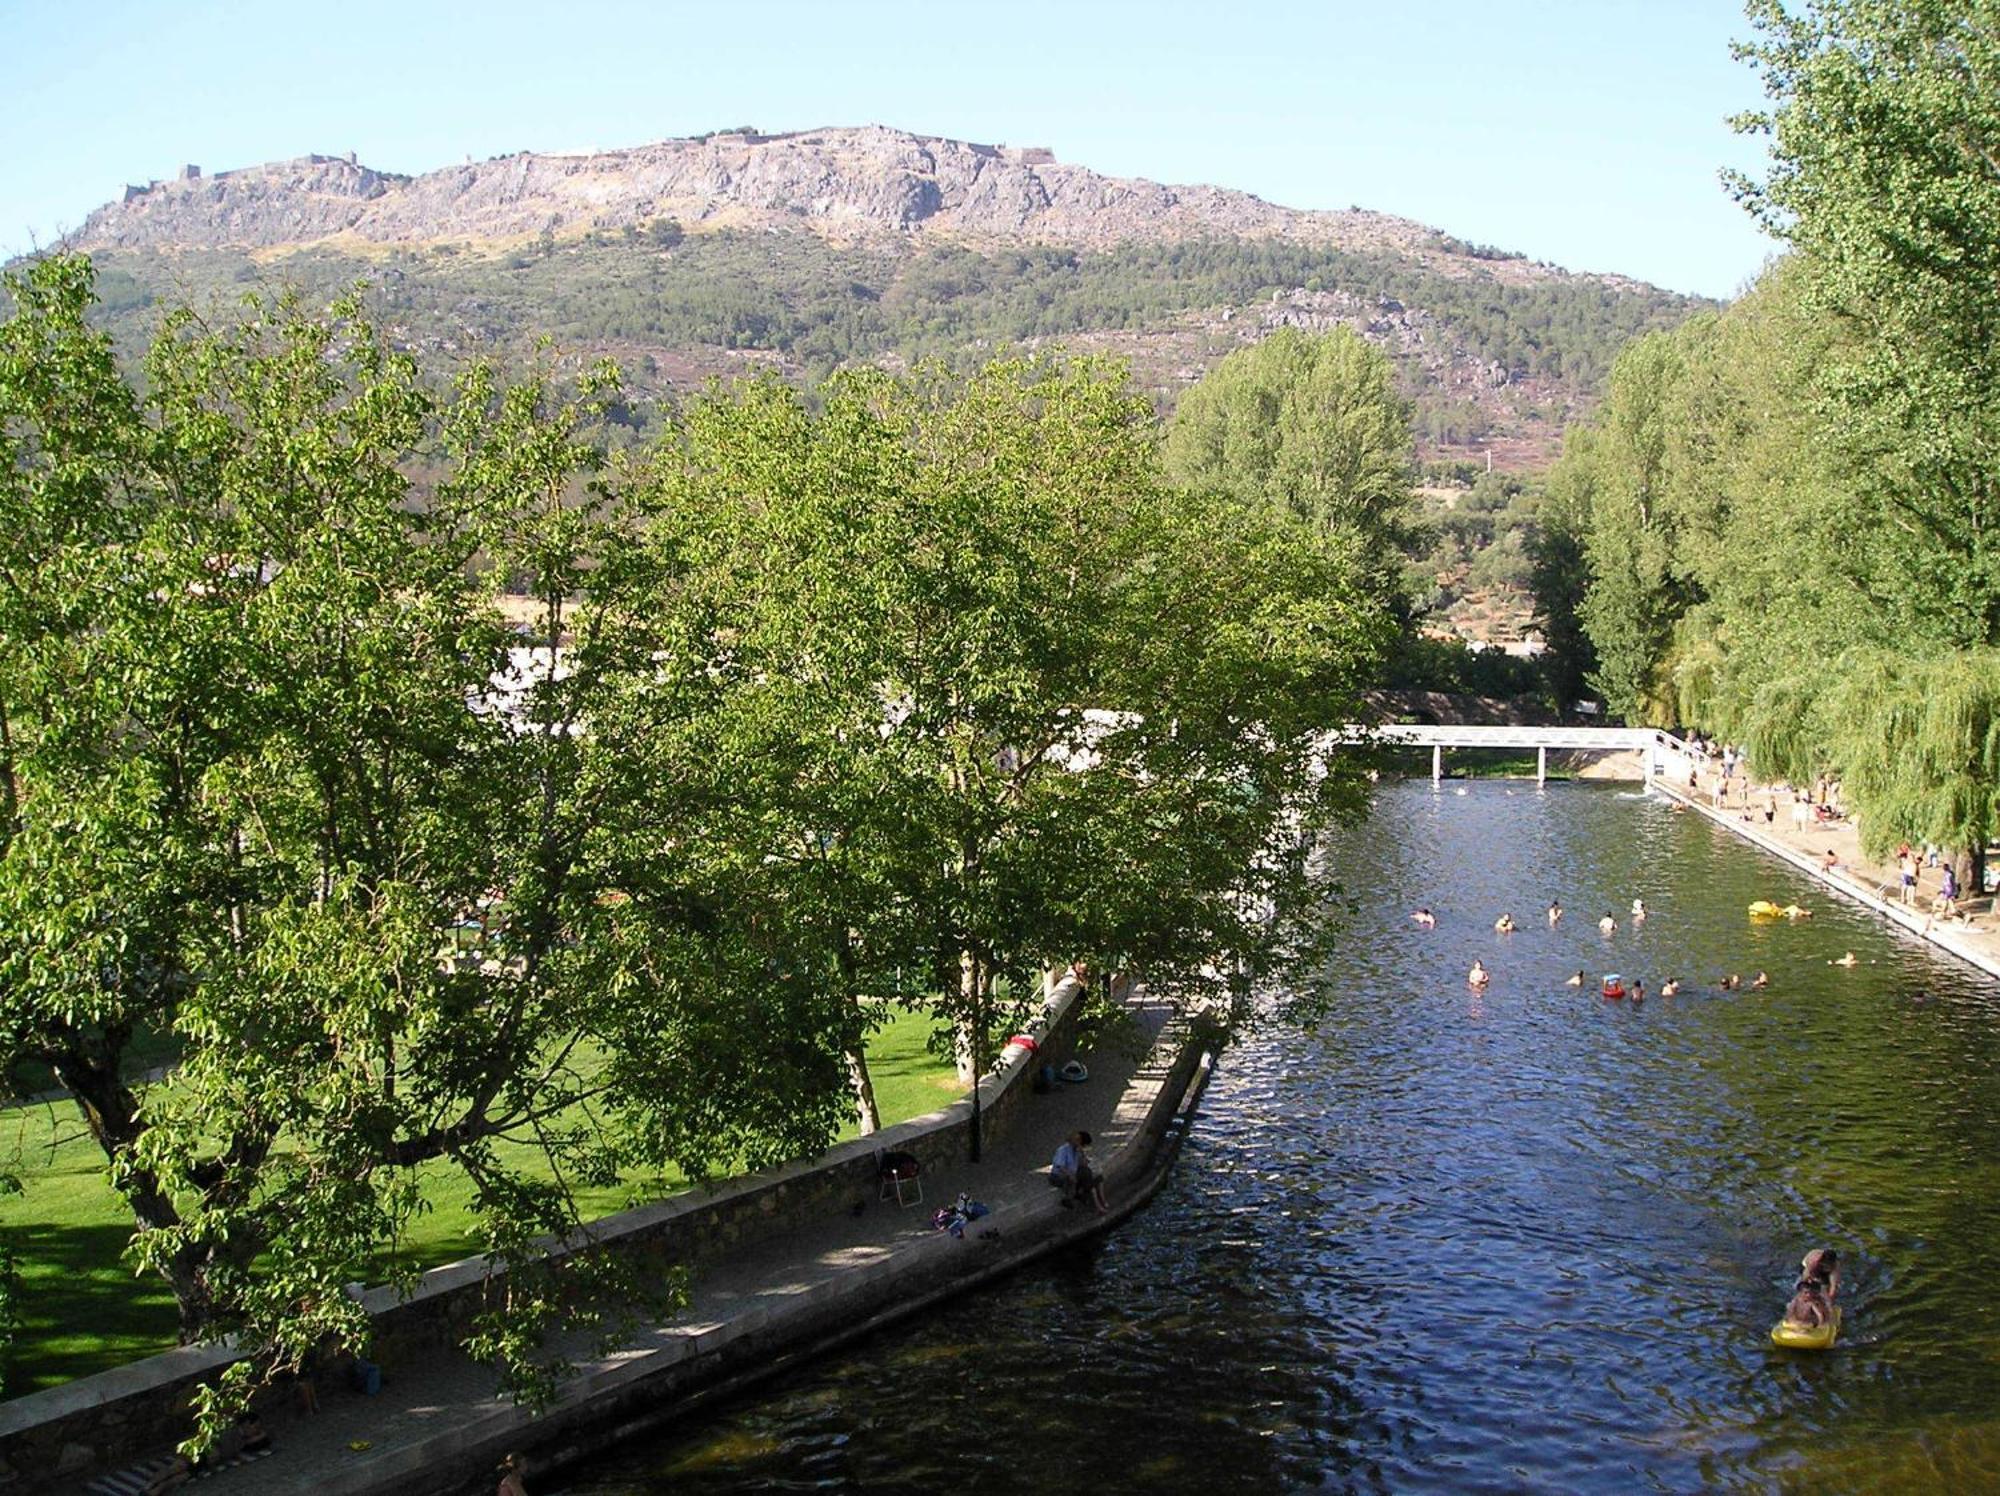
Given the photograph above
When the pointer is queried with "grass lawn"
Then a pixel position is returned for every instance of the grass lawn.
(83, 1310)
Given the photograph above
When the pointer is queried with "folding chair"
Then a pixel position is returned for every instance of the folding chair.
(901, 1174)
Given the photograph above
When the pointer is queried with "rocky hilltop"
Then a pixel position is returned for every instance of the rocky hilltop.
(841, 183)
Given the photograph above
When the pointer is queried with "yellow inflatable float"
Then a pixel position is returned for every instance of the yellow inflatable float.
(1765, 909)
(1793, 1337)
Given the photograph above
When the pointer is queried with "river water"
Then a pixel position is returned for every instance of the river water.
(1525, 1240)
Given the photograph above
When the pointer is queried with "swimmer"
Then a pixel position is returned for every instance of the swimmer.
(1847, 960)
(1478, 976)
(1814, 1293)
(1671, 987)
(1638, 992)
(1638, 909)
(1607, 925)
(1575, 981)
(1555, 914)
(1423, 919)
(1759, 982)
(1504, 924)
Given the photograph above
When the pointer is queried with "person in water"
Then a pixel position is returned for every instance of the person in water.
(1638, 909)
(1759, 982)
(1504, 924)
(1478, 976)
(1555, 914)
(1607, 925)
(1575, 981)
(1849, 959)
(1637, 991)
(1814, 1293)
(1671, 987)
(1424, 919)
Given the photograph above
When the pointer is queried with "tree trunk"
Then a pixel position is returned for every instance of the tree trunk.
(111, 1112)
(964, 1025)
(855, 1050)
(866, 1112)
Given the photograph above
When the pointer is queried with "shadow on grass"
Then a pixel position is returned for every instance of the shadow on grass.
(81, 1309)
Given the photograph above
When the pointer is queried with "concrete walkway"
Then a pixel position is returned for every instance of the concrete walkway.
(436, 1422)
(1856, 877)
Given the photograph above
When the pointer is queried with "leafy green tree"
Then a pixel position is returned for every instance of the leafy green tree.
(267, 743)
(1885, 132)
(1311, 424)
(1011, 702)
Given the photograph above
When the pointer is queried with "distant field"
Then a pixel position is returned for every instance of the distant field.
(83, 1310)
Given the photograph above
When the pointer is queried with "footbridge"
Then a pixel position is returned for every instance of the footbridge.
(1649, 743)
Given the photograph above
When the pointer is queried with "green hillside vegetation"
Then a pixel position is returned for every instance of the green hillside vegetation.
(821, 305)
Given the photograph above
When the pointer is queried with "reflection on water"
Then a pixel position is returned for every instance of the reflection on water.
(1471, 1242)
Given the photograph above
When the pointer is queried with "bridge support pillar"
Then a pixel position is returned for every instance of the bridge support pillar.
(1437, 763)
(1541, 766)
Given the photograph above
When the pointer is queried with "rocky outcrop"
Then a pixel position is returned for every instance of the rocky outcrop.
(840, 182)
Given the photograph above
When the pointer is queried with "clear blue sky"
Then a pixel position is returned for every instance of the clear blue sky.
(1588, 132)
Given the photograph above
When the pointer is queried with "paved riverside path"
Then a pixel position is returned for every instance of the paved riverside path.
(423, 1398)
(1859, 878)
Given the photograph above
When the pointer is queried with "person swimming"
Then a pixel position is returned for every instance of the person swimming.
(1638, 909)
(1555, 914)
(1671, 987)
(1637, 991)
(1478, 976)
(1575, 981)
(1814, 1293)
(1607, 925)
(1504, 924)
(1423, 919)
(1850, 959)
(1760, 981)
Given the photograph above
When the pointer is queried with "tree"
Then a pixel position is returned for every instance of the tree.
(1885, 174)
(266, 742)
(1010, 701)
(1311, 424)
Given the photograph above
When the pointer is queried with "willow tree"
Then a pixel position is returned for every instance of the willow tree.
(266, 742)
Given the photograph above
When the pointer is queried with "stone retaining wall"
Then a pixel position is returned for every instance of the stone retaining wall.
(54, 1438)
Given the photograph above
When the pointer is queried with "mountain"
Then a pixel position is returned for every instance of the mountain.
(692, 258)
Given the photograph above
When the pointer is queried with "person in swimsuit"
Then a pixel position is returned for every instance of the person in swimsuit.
(1555, 914)
(1814, 1293)
(1760, 981)
(1607, 925)
(1478, 976)
(1575, 981)
(1504, 924)
(1423, 919)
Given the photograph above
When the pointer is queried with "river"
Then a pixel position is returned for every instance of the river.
(1528, 1239)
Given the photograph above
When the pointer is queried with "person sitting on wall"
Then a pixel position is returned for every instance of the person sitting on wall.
(1066, 1169)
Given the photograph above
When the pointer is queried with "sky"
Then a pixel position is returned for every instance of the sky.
(1588, 134)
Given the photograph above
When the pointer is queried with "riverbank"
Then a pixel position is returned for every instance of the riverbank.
(1854, 877)
(798, 1289)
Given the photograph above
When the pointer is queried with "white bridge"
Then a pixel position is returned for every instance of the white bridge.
(1650, 743)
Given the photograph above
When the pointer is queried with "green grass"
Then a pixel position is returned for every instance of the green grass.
(83, 1310)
